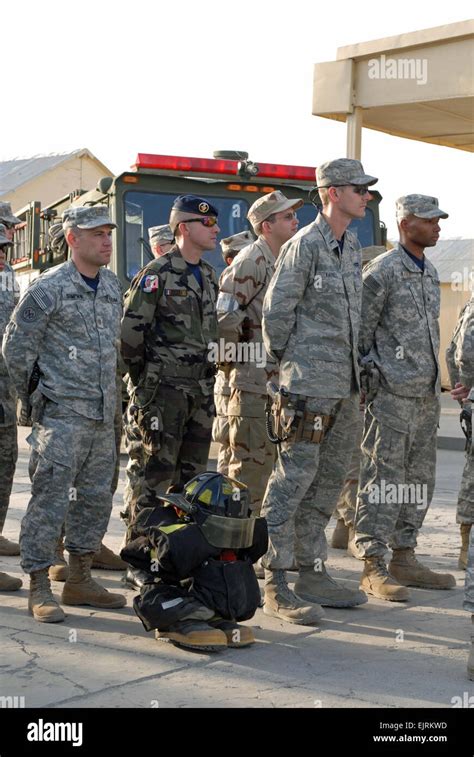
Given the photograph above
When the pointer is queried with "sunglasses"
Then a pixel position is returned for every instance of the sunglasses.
(8, 225)
(206, 221)
(359, 190)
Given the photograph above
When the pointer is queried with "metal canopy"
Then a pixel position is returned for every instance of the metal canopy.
(418, 85)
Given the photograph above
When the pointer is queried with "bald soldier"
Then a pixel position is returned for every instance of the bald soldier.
(242, 289)
(311, 316)
(161, 239)
(460, 361)
(169, 320)
(68, 325)
(230, 247)
(399, 345)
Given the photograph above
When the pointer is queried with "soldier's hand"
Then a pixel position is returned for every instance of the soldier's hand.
(460, 392)
(247, 331)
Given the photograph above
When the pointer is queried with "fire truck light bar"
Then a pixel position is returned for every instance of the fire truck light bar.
(180, 164)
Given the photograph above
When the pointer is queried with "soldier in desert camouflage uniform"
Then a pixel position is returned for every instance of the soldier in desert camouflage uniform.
(242, 289)
(230, 247)
(8, 434)
(169, 320)
(311, 320)
(161, 239)
(460, 359)
(399, 345)
(72, 313)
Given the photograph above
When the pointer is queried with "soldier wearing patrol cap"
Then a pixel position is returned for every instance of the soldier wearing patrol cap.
(8, 435)
(242, 289)
(230, 247)
(9, 295)
(161, 239)
(68, 324)
(311, 318)
(399, 345)
(169, 321)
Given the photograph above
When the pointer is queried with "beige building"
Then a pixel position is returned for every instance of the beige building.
(46, 178)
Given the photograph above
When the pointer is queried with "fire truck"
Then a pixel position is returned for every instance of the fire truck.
(142, 197)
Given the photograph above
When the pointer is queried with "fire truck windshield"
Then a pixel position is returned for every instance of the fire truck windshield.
(146, 209)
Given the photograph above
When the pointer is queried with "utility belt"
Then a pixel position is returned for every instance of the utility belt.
(287, 418)
(198, 371)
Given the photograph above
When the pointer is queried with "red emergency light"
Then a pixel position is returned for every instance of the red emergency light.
(180, 164)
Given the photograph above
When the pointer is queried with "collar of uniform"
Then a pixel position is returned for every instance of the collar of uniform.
(77, 278)
(409, 263)
(328, 233)
(263, 245)
(180, 266)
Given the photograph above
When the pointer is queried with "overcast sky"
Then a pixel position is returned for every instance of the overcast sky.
(186, 78)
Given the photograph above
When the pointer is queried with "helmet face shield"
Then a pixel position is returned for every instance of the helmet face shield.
(222, 510)
(228, 533)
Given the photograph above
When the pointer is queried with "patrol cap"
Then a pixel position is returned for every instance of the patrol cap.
(190, 206)
(6, 215)
(88, 217)
(235, 243)
(160, 234)
(265, 206)
(4, 241)
(343, 171)
(421, 206)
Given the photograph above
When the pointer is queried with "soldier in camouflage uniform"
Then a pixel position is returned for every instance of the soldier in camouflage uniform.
(242, 289)
(8, 435)
(460, 359)
(230, 247)
(68, 324)
(161, 239)
(169, 320)
(399, 345)
(311, 317)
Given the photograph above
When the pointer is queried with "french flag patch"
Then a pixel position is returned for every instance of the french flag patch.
(150, 283)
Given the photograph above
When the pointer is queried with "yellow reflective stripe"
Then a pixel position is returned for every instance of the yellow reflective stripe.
(170, 529)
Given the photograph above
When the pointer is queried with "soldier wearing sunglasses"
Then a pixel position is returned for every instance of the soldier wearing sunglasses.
(169, 320)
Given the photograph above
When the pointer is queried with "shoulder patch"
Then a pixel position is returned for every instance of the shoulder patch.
(150, 283)
(29, 311)
(41, 297)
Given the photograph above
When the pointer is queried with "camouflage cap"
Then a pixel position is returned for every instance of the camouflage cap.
(341, 172)
(421, 206)
(265, 206)
(4, 241)
(161, 234)
(235, 243)
(6, 215)
(87, 217)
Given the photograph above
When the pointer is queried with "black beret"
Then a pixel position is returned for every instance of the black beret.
(193, 204)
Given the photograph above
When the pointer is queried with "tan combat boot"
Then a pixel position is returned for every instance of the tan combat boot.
(9, 583)
(59, 570)
(81, 589)
(340, 535)
(281, 602)
(237, 635)
(41, 603)
(194, 634)
(377, 581)
(470, 662)
(409, 572)
(8, 548)
(105, 559)
(318, 587)
(465, 532)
